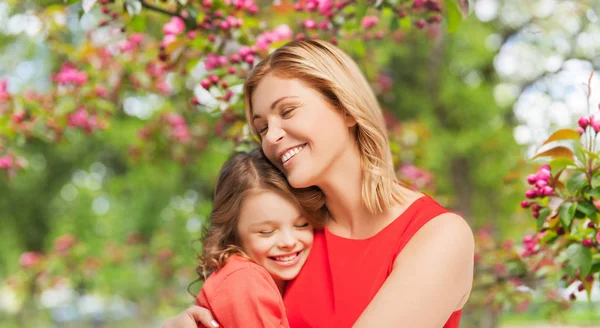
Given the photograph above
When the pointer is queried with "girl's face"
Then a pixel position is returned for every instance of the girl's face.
(274, 234)
(302, 134)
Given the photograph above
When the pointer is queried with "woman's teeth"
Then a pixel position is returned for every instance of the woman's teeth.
(291, 153)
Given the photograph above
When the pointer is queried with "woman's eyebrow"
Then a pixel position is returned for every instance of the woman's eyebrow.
(273, 105)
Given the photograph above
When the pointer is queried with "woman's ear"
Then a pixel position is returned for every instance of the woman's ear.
(350, 121)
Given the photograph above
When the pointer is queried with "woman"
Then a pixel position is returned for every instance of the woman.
(387, 256)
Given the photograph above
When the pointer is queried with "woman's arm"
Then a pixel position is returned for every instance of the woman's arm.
(431, 278)
(191, 317)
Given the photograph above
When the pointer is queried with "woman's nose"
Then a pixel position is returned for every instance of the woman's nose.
(274, 134)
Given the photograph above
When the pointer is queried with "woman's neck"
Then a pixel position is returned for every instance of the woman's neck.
(343, 197)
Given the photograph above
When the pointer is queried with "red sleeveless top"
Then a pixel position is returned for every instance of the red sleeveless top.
(341, 276)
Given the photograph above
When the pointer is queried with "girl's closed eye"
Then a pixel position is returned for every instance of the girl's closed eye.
(266, 232)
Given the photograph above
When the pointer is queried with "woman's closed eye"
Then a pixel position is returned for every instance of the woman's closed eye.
(287, 112)
(304, 225)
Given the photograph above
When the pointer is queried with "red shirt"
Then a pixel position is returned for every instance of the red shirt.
(243, 294)
(341, 276)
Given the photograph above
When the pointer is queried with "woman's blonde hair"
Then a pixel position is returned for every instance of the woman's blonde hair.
(331, 72)
(243, 174)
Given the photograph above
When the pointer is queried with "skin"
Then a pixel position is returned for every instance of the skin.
(432, 276)
(270, 226)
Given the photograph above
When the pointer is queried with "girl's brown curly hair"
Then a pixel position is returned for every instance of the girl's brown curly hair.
(243, 174)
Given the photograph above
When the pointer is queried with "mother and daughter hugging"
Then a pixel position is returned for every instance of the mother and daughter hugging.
(313, 229)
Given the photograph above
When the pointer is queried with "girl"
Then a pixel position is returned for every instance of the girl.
(387, 256)
(258, 239)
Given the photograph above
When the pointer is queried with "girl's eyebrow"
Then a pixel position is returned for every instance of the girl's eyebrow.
(264, 222)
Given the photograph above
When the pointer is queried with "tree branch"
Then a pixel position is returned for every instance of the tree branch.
(158, 9)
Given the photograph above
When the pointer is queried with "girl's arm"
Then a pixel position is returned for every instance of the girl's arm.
(431, 278)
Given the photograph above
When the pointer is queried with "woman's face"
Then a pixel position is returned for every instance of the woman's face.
(275, 234)
(301, 132)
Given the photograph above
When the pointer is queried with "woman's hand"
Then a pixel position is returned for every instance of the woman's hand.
(191, 317)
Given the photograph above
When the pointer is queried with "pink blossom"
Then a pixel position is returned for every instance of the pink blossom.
(181, 133)
(584, 122)
(175, 26)
(244, 51)
(69, 74)
(6, 161)
(101, 92)
(325, 7)
(168, 39)
(164, 87)
(369, 21)
(63, 243)
(79, 118)
(17, 117)
(175, 119)
(136, 38)
(419, 177)
(310, 24)
(4, 95)
(595, 122)
(29, 259)
(282, 32)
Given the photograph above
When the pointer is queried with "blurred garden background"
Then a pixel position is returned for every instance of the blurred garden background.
(116, 115)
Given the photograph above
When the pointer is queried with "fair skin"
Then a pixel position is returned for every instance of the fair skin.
(274, 234)
(432, 276)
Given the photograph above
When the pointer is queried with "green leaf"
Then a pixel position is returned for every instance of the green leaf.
(596, 181)
(406, 23)
(453, 16)
(595, 267)
(579, 257)
(593, 193)
(138, 24)
(576, 182)
(567, 212)
(587, 208)
(361, 10)
(558, 164)
(542, 218)
(394, 24)
(549, 237)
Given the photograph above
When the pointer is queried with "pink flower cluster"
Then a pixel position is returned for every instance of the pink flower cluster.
(247, 5)
(29, 259)
(6, 161)
(417, 177)
(214, 61)
(131, 43)
(175, 26)
(592, 121)
(70, 75)
(179, 128)
(64, 243)
(539, 181)
(369, 21)
(324, 7)
(531, 245)
(4, 95)
(81, 119)
(282, 32)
